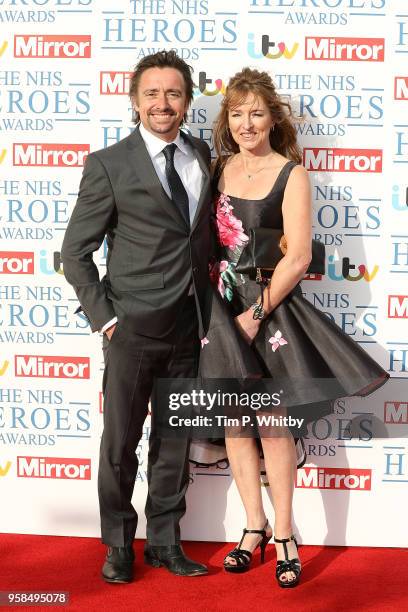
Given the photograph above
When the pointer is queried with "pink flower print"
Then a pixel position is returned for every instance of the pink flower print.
(223, 203)
(221, 286)
(230, 230)
(204, 341)
(277, 340)
(215, 275)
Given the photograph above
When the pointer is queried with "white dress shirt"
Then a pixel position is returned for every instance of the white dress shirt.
(187, 167)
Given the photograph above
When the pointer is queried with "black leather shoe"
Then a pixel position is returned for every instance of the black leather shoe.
(173, 558)
(118, 566)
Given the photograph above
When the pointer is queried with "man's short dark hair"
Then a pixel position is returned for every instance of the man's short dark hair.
(162, 59)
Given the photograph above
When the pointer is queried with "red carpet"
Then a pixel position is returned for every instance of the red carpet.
(333, 578)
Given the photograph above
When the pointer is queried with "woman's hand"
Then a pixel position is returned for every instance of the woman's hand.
(247, 325)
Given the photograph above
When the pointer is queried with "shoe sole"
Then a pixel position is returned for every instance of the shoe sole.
(156, 563)
(113, 581)
(289, 584)
(235, 569)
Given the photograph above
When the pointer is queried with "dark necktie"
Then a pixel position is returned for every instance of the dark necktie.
(178, 192)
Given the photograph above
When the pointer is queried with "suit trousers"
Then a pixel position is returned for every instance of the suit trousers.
(132, 362)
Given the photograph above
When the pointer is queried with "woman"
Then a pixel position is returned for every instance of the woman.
(259, 183)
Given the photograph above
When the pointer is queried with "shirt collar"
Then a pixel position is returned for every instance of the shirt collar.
(156, 145)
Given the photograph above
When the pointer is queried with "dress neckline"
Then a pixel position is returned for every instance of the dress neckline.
(267, 195)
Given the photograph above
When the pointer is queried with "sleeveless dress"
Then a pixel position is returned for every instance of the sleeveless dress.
(296, 345)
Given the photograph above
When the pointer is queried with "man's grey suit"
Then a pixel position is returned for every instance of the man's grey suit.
(153, 260)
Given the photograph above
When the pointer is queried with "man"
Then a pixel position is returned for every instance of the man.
(150, 195)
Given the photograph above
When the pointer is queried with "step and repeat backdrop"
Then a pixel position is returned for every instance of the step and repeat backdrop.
(64, 74)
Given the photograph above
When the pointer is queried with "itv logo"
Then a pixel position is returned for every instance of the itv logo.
(271, 49)
(399, 202)
(3, 367)
(4, 469)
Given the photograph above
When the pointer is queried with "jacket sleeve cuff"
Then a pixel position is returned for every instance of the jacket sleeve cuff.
(108, 325)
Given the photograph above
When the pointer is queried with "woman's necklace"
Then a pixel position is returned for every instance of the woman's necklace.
(250, 175)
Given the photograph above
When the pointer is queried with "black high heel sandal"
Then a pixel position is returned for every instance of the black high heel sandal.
(288, 565)
(243, 557)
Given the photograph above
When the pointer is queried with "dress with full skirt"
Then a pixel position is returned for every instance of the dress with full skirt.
(297, 345)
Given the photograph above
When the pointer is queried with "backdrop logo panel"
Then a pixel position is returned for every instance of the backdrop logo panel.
(4, 468)
(42, 11)
(60, 155)
(396, 413)
(52, 46)
(399, 197)
(203, 83)
(342, 49)
(343, 160)
(54, 467)
(114, 83)
(3, 366)
(65, 69)
(42, 417)
(398, 306)
(340, 479)
(401, 88)
(12, 262)
(52, 367)
(337, 13)
(271, 49)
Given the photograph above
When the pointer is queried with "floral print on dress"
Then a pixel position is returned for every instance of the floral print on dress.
(224, 277)
(277, 340)
(232, 238)
(230, 231)
(216, 269)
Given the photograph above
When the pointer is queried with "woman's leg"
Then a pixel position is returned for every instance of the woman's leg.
(280, 466)
(243, 455)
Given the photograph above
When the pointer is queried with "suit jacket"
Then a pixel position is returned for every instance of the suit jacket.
(153, 256)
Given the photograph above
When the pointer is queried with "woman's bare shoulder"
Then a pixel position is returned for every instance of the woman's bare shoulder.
(299, 175)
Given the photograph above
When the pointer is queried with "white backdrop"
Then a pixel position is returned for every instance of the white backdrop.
(64, 68)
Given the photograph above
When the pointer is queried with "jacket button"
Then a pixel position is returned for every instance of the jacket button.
(195, 270)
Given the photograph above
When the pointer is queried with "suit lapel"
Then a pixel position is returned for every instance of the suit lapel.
(148, 177)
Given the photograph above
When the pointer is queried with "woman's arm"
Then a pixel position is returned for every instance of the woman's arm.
(297, 227)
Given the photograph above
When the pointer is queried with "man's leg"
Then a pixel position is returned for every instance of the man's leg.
(168, 468)
(127, 388)
(168, 464)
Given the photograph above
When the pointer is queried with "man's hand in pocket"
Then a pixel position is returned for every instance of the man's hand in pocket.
(109, 332)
